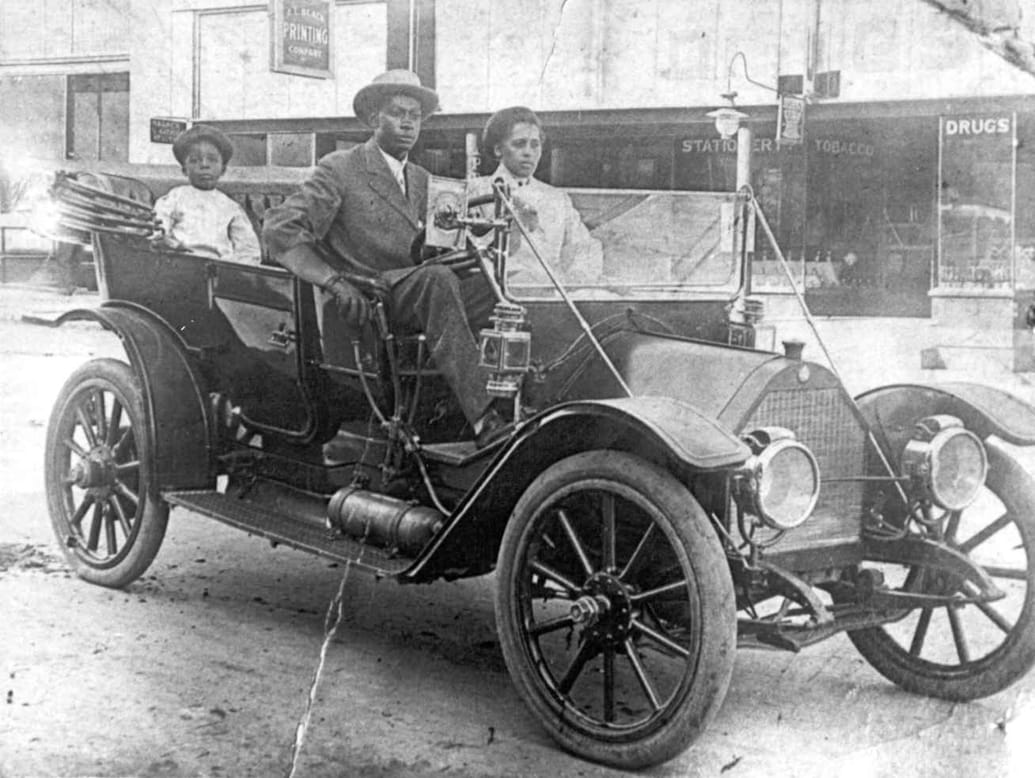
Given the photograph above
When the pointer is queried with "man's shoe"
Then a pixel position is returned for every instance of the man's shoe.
(491, 428)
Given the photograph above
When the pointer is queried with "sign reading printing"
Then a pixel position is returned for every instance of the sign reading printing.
(300, 34)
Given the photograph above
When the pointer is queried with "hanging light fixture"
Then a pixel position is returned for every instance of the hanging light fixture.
(728, 118)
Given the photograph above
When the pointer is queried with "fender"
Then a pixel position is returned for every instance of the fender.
(891, 411)
(671, 433)
(178, 423)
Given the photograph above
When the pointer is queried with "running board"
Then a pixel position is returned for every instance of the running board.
(279, 527)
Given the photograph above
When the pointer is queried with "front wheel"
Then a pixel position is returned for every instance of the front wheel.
(961, 651)
(615, 609)
(103, 507)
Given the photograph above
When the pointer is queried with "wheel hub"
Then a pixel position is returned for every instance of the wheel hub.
(605, 609)
(96, 470)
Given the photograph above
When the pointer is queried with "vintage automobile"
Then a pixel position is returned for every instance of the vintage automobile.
(668, 493)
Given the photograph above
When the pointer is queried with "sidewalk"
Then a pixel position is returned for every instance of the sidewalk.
(18, 301)
(875, 351)
(866, 351)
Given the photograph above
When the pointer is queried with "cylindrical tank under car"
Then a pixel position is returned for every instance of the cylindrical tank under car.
(382, 520)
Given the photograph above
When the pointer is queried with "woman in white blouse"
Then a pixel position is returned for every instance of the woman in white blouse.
(514, 136)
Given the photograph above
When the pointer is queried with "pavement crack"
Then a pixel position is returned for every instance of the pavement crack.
(331, 621)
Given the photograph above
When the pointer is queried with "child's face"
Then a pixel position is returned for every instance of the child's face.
(203, 165)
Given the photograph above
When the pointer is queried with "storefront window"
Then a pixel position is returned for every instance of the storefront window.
(291, 149)
(98, 117)
(706, 162)
(633, 163)
(1024, 204)
(249, 150)
(976, 201)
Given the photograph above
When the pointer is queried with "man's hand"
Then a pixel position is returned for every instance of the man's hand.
(353, 307)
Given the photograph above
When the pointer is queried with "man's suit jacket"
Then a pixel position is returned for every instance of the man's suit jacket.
(352, 210)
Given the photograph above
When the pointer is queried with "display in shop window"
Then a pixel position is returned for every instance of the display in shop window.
(976, 202)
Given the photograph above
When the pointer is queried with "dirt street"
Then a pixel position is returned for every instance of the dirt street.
(204, 666)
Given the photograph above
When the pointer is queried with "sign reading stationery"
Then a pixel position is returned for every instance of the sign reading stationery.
(300, 36)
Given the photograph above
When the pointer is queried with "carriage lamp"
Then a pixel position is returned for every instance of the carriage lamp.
(946, 461)
(779, 483)
(506, 350)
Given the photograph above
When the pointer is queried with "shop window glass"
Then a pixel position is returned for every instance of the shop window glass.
(633, 164)
(976, 201)
(1024, 206)
(249, 150)
(289, 149)
(98, 117)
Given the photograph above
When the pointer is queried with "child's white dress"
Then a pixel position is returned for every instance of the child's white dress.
(207, 222)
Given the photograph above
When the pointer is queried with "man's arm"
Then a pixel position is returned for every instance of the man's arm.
(293, 228)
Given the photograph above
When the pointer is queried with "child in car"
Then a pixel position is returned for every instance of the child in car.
(197, 217)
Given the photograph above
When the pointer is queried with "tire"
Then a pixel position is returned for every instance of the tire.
(104, 509)
(973, 650)
(624, 656)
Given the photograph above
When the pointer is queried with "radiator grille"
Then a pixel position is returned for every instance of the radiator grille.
(823, 420)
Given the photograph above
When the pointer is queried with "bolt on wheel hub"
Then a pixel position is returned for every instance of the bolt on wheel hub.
(605, 610)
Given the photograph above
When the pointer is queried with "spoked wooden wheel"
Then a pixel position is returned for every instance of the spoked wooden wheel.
(615, 609)
(964, 651)
(98, 471)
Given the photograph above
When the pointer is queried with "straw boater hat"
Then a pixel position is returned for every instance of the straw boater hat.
(393, 82)
(198, 133)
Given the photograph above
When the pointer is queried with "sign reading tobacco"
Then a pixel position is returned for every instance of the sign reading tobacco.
(300, 34)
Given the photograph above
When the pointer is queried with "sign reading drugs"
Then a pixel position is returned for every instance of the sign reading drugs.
(300, 37)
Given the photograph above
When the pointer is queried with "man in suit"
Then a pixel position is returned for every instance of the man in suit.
(356, 218)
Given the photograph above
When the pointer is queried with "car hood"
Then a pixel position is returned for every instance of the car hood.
(722, 382)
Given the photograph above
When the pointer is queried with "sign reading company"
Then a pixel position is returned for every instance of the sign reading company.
(164, 130)
(300, 36)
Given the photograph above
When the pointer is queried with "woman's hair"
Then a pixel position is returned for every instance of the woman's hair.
(502, 122)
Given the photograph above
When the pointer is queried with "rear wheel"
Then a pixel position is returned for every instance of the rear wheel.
(615, 609)
(103, 507)
(966, 651)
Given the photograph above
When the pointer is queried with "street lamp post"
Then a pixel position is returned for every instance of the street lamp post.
(728, 123)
